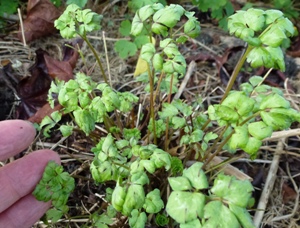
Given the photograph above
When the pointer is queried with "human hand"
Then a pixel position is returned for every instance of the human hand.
(18, 207)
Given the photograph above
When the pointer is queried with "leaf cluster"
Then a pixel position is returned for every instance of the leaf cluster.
(56, 186)
(74, 22)
(225, 206)
(78, 97)
(264, 31)
(252, 115)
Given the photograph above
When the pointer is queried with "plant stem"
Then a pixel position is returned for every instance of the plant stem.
(236, 72)
(96, 56)
(217, 140)
(151, 82)
(218, 149)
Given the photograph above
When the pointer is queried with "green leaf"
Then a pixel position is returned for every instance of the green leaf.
(137, 219)
(285, 25)
(141, 40)
(139, 178)
(277, 56)
(192, 28)
(134, 199)
(274, 100)
(125, 28)
(97, 109)
(175, 65)
(147, 52)
(273, 37)
(222, 113)
(272, 15)
(169, 16)
(118, 197)
(137, 4)
(168, 111)
(80, 3)
(153, 202)
(238, 101)
(277, 121)
(54, 215)
(184, 207)
(218, 215)
(255, 80)
(157, 61)
(171, 50)
(184, 108)
(161, 159)
(179, 183)
(125, 48)
(252, 147)
(240, 137)
(232, 190)
(259, 56)
(260, 130)
(148, 165)
(204, 5)
(8, 7)
(207, 137)
(85, 120)
(242, 215)
(254, 19)
(196, 176)
(178, 122)
(192, 224)
(104, 171)
(66, 130)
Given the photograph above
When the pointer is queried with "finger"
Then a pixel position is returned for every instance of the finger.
(16, 136)
(24, 213)
(20, 177)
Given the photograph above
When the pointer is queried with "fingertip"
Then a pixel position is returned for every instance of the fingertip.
(16, 136)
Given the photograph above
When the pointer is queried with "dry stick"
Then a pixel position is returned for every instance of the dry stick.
(283, 134)
(263, 201)
(187, 76)
(22, 27)
(107, 60)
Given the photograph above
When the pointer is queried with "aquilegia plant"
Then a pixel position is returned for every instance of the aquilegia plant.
(139, 160)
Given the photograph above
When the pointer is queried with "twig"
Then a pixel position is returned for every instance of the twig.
(282, 134)
(187, 76)
(264, 198)
(204, 46)
(107, 60)
(22, 27)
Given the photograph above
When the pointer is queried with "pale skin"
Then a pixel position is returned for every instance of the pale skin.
(18, 207)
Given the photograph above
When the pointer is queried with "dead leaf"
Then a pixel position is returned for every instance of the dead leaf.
(33, 90)
(288, 193)
(63, 70)
(41, 15)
